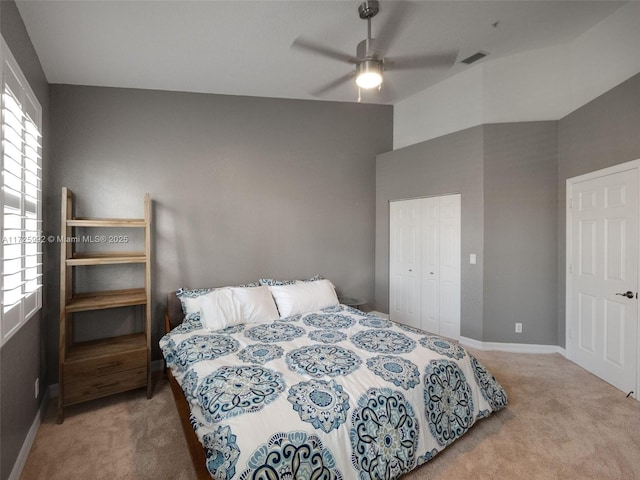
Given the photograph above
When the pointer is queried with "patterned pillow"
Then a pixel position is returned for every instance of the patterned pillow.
(271, 282)
(190, 298)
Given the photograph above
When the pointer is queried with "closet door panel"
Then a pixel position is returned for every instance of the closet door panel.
(405, 256)
(449, 208)
(430, 265)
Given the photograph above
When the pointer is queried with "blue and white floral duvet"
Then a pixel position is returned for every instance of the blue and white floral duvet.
(334, 394)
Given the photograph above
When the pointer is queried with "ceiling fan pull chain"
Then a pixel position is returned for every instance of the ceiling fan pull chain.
(359, 95)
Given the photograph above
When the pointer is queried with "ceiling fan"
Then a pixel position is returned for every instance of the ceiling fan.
(370, 61)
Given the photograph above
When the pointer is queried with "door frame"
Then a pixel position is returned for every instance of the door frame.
(622, 167)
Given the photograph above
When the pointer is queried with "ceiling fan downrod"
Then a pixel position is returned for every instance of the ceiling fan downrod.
(366, 49)
(367, 10)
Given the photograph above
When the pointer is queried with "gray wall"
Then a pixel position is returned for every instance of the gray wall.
(506, 174)
(242, 187)
(604, 132)
(520, 232)
(448, 164)
(523, 168)
(22, 358)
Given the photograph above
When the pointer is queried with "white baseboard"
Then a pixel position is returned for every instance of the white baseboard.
(502, 347)
(16, 471)
(512, 347)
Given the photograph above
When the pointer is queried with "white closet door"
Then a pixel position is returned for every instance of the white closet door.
(430, 285)
(404, 268)
(449, 207)
(425, 264)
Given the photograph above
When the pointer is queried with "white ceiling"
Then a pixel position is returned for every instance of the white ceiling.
(244, 47)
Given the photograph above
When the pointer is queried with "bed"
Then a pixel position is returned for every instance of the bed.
(328, 393)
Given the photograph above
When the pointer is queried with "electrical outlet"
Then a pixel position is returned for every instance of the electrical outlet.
(518, 328)
(37, 387)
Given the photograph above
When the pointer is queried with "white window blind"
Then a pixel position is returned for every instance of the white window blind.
(21, 198)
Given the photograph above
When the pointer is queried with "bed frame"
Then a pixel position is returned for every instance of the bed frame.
(173, 317)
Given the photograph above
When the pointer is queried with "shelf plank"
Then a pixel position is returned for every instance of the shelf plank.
(109, 299)
(106, 258)
(106, 347)
(107, 222)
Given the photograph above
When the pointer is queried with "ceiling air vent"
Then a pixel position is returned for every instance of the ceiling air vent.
(474, 58)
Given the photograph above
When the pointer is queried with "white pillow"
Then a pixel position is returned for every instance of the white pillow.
(190, 297)
(256, 304)
(303, 297)
(218, 309)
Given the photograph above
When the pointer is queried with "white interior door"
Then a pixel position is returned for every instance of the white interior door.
(427, 232)
(602, 255)
(404, 267)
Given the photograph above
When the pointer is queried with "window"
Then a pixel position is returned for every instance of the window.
(21, 198)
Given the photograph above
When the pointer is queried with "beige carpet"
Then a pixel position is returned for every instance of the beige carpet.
(561, 423)
(125, 436)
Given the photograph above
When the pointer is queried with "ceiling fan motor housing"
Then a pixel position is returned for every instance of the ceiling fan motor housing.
(368, 50)
(366, 66)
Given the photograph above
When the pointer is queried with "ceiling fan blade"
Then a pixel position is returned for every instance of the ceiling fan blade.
(336, 83)
(415, 62)
(309, 46)
(393, 24)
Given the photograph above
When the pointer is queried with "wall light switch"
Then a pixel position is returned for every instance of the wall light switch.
(472, 258)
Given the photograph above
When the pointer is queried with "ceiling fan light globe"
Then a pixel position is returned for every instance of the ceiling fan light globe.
(369, 74)
(368, 80)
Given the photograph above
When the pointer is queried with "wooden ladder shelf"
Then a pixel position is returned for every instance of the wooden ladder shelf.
(97, 368)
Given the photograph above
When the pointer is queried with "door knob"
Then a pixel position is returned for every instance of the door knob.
(628, 294)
